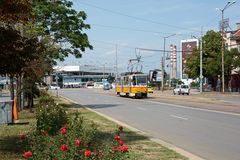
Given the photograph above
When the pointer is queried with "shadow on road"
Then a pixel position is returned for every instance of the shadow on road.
(95, 106)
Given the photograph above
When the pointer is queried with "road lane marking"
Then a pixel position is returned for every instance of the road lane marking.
(191, 108)
(140, 108)
(174, 116)
(185, 107)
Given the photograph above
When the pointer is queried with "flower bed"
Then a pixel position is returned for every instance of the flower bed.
(62, 137)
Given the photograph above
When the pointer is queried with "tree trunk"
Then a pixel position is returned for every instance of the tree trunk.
(11, 87)
(18, 92)
(28, 100)
(31, 101)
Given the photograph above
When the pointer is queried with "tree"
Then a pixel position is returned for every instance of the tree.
(212, 58)
(64, 25)
(33, 34)
(15, 11)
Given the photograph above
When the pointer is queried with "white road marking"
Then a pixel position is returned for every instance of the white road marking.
(140, 108)
(190, 108)
(174, 116)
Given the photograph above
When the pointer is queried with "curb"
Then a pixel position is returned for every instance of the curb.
(181, 151)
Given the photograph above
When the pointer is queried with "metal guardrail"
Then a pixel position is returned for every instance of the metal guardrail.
(6, 112)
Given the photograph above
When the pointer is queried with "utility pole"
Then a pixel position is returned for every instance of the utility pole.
(170, 65)
(162, 66)
(223, 80)
(116, 63)
(201, 76)
(222, 30)
(164, 49)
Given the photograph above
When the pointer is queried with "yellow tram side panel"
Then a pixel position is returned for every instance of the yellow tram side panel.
(126, 89)
(133, 90)
(122, 89)
(118, 89)
(139, 89)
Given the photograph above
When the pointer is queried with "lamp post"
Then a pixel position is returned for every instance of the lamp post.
(201, 75)
(222, 30)
(163, 68)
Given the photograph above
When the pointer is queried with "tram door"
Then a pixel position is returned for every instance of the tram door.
(122, 83)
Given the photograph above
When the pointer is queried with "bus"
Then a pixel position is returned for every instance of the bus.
(132, 85)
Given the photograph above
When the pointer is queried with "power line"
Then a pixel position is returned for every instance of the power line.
(111, 43)
(137, 30)
(137, 18)
(160, 50)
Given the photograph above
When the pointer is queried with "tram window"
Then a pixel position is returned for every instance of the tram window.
(141, 80)
(134, 80)
(125, 81)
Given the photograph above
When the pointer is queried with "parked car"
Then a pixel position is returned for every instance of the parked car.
(54, 86)
(150, 90)
(181, 89)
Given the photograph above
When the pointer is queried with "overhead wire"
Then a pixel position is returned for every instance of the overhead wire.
(137, 18)
(138, 30)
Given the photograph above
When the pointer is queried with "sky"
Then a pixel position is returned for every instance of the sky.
(131, 24)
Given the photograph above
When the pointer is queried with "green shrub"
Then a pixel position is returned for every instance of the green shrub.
(45, 99)
(194, 84)
(50, 116)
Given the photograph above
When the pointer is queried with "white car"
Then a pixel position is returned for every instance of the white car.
(54, 86)
(181, 89)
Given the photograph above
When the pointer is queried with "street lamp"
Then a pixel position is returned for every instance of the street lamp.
(222, 30)
(163, 68)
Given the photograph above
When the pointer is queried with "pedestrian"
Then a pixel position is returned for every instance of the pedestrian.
(218, 87)
(230, 85)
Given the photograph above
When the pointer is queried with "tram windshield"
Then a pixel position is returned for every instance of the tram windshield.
(141, 80)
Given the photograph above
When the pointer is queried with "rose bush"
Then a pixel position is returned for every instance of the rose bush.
(62, 137)
(50, 116)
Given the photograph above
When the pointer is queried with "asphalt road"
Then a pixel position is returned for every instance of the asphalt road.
(209, 134)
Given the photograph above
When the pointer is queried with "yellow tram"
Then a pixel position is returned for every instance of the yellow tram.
(132, 85)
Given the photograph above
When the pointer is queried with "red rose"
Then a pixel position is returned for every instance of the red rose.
(114, 149)
(27, 154)
(22, 137)
(64, 147)
(120, 128)
(78, 142)
(87, 153)
(121, 142)
(63, 130)
(124, 148)
(117, 137)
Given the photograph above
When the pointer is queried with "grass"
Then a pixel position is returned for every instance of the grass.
(140, 146)
(10, 146)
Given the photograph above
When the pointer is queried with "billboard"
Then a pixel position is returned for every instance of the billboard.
(155, 76)
(187, 48)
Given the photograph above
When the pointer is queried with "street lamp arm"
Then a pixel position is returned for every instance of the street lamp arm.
(228, 5)
(170, 35)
